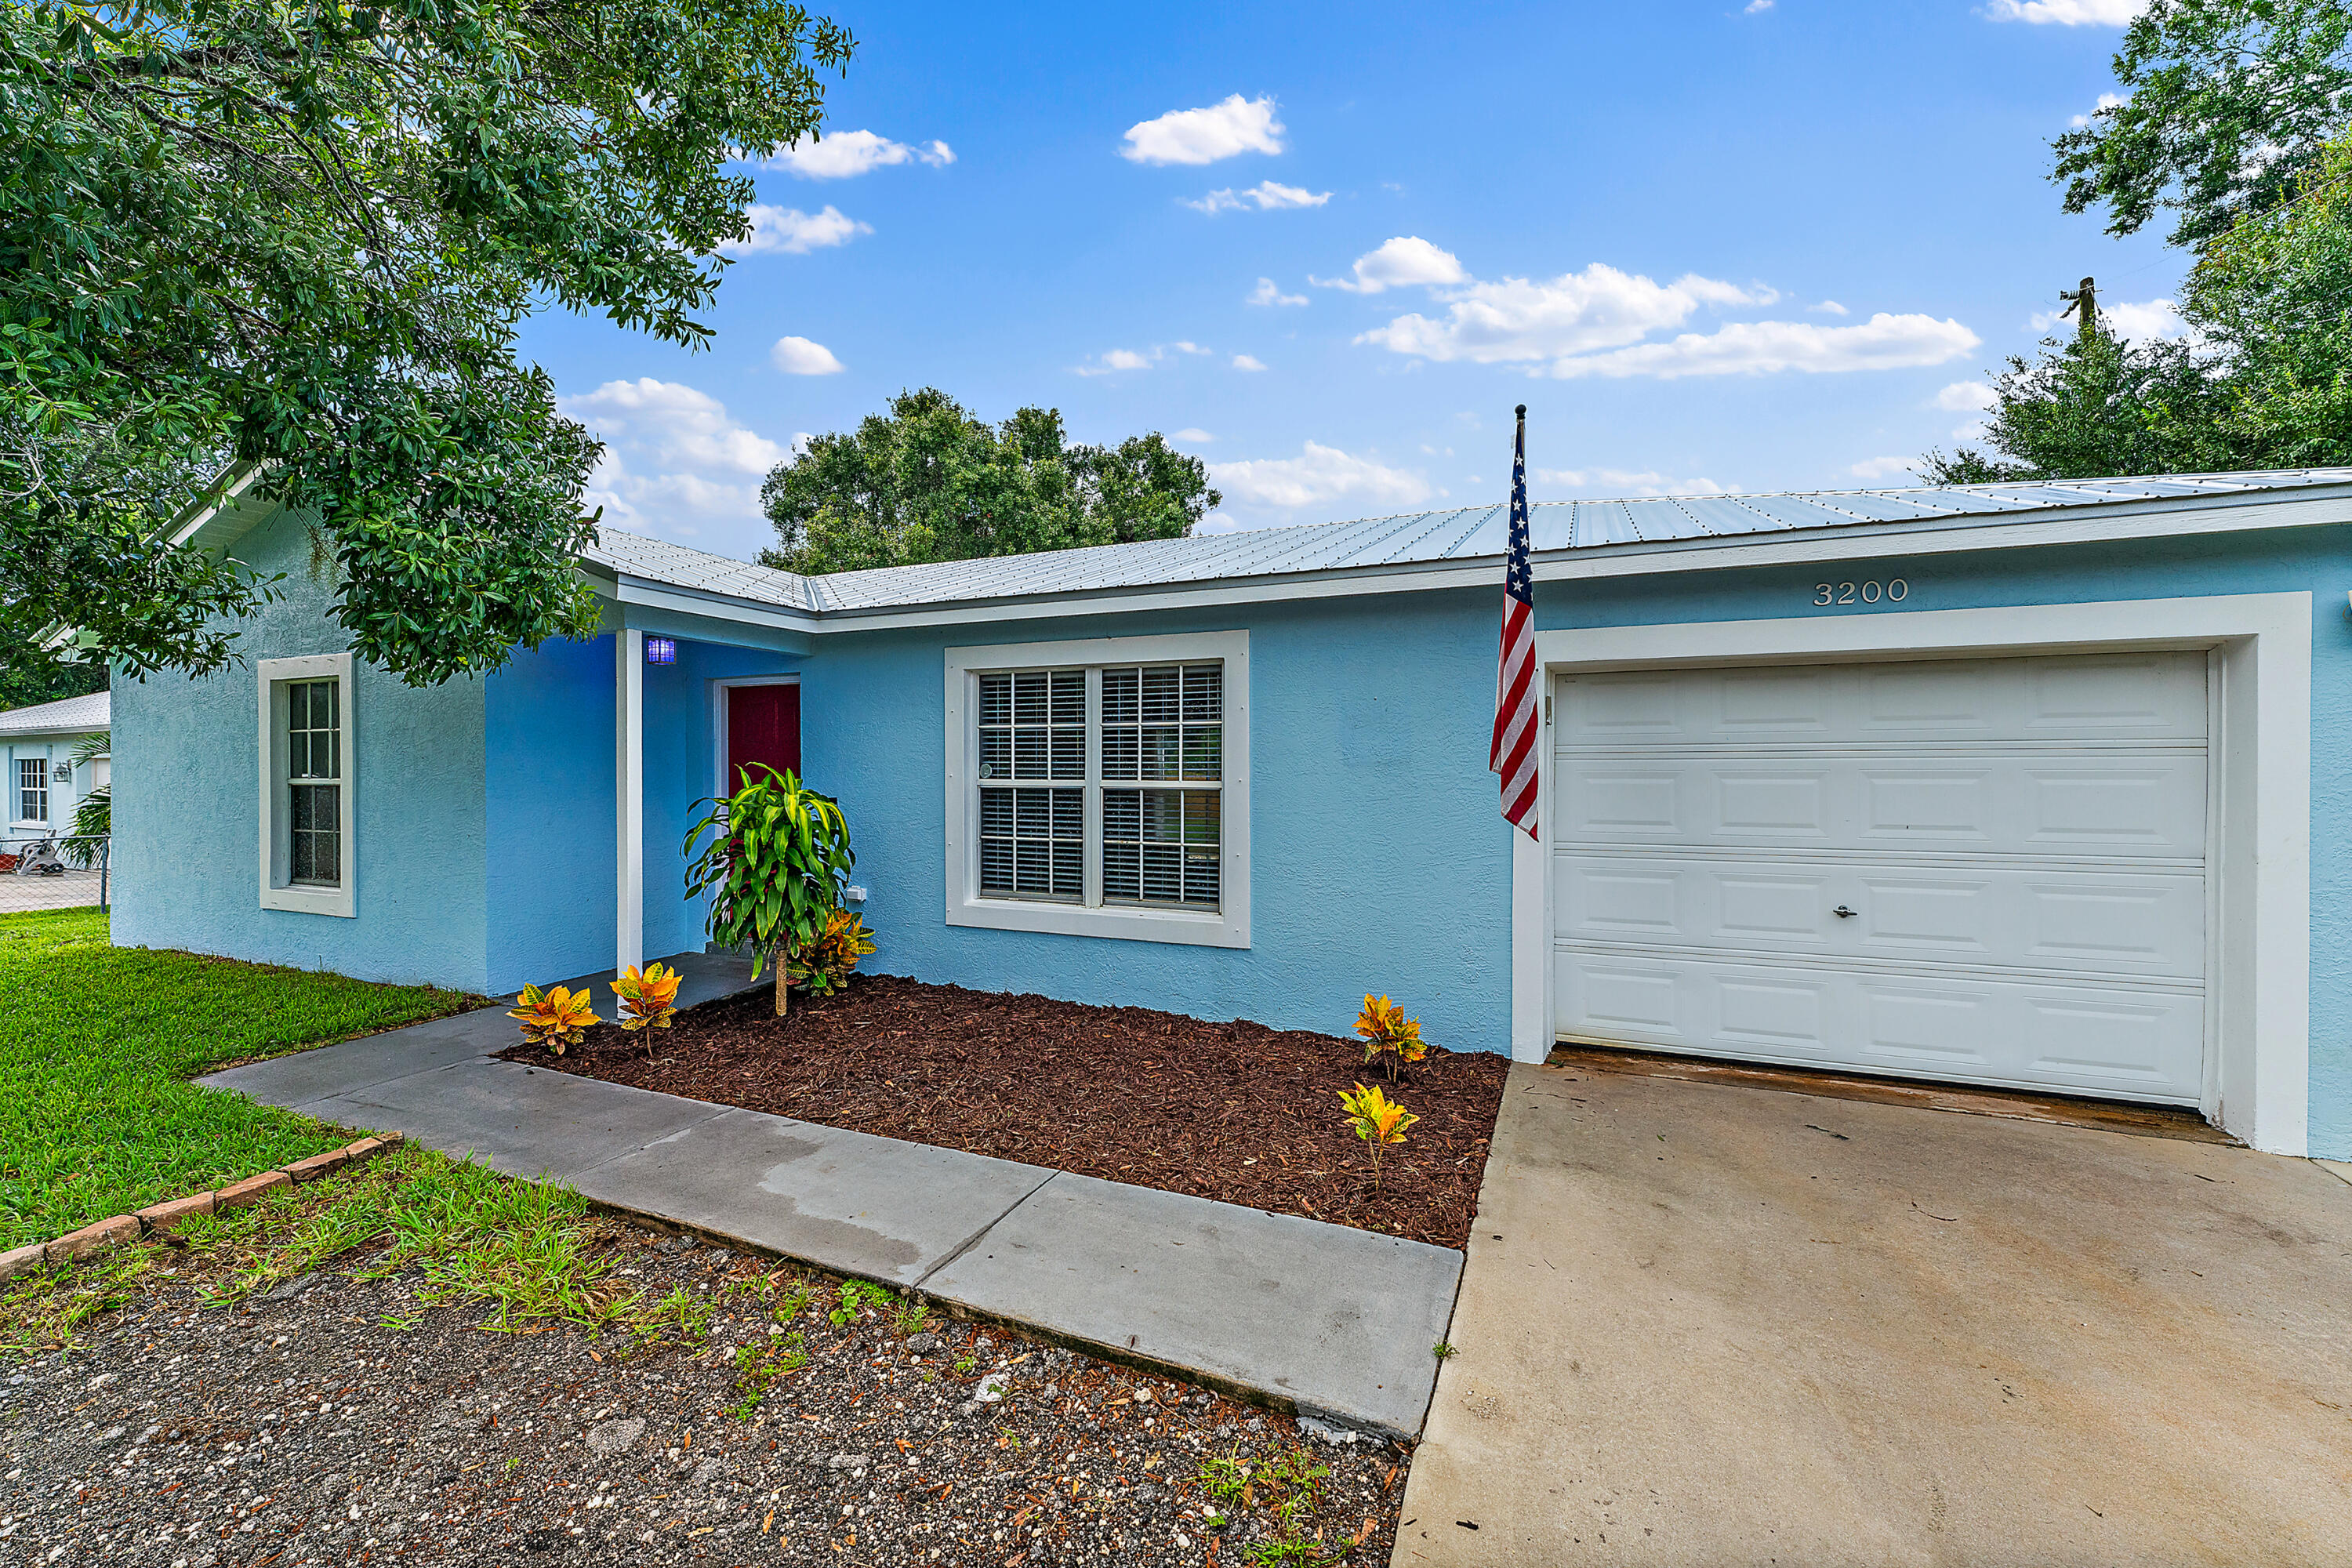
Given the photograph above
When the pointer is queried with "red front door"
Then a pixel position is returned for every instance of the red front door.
(763, 726)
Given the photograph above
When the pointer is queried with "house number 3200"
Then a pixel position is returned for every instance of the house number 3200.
(1892, 589)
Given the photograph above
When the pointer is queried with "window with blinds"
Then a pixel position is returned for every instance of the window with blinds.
(1102, 784)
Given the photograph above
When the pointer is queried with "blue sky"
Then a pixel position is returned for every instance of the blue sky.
(1736, 246)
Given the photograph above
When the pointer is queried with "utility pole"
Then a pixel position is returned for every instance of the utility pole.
(2084, 299)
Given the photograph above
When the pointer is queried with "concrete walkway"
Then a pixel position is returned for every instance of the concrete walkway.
(1318, 1318)
(1722, 1325)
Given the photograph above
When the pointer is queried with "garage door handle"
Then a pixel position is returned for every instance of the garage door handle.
(1842, 912)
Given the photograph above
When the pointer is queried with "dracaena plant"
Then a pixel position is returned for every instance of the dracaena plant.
(772, 859)
(1388, 1033)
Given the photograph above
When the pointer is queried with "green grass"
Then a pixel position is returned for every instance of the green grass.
(532, 1253)
(97, 1044)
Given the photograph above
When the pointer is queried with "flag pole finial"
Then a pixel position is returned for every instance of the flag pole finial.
(1523, 411)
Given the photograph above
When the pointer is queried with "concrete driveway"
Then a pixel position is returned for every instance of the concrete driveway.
(1713, 1324)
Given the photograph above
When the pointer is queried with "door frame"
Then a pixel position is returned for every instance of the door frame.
(2258, 855)
(719, 686)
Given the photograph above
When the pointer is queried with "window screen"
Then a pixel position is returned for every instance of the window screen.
(314, 772)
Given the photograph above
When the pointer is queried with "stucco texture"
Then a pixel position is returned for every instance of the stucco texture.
(1378, 859)
(186, 855)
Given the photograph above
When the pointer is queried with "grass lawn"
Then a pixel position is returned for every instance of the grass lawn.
(97, 1044)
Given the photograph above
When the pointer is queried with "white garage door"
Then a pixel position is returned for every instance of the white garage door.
(1985, 870)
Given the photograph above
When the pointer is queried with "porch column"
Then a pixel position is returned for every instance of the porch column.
(629, 794)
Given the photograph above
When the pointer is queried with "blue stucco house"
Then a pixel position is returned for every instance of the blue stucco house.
(2035, 785)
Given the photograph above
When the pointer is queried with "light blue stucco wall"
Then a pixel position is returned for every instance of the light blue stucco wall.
(550, 795)
(186, 854)
(547, 803)
(1379, 861)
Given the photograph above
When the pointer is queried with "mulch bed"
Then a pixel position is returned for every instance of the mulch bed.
(1236, 1111)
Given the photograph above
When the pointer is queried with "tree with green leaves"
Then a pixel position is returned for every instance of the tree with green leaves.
(2239, 117)
(930, 481)
(30, 674)
(299, 237)
(2227, 107)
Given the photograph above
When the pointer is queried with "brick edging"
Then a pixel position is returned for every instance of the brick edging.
(163, 1216)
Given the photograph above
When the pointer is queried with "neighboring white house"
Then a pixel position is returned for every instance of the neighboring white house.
(42, 783)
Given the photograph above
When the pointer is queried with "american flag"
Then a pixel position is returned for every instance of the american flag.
(1514, 753)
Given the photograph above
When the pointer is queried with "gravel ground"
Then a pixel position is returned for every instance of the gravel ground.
(334, 1420)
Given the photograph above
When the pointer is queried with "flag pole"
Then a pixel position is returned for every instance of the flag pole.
(1512, 755)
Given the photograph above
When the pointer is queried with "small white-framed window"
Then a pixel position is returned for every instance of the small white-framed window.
(1101, 787)
(306, 784)
(32, 789)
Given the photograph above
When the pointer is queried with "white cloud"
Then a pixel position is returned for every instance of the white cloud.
(1758, 7)
(1829, 307)
(674, 462)
(1404, 260)
(1882, 467)
(1265, 197)
(1317, 476)
(1625, 482)
(1117, 360)
(2150, 318)
(1523, 319)
(1195, 435)
(798, 356)
(1265, 293)
(795, 232)
(2067, 13)
(1204, 135)
(1965, 397)
(2106, 100)
(1757, 348)
(2155, 319)
(1248, 362)
(847, 154)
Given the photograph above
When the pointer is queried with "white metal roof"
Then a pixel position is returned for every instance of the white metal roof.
(65, 714)
(1456, 535)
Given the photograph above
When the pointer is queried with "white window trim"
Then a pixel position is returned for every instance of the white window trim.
(2258, 946)
(32, 825)
(276, 894)
(1229, 926)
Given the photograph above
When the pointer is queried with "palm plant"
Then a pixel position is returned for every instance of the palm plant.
(772, 859)
(93, 818)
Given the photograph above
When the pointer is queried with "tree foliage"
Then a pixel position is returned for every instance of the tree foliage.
(2264, 381)
(929, 481)
(30, 673)
(301, 235)
(2228, 105)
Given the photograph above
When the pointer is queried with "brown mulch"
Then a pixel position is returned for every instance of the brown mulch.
(1236, 1111)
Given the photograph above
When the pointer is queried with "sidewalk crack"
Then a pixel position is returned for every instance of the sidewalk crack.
(968, 1242)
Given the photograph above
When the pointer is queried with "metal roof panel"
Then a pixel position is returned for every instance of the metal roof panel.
(1458, 533)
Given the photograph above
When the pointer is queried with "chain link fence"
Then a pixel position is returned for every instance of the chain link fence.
(55, 872)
